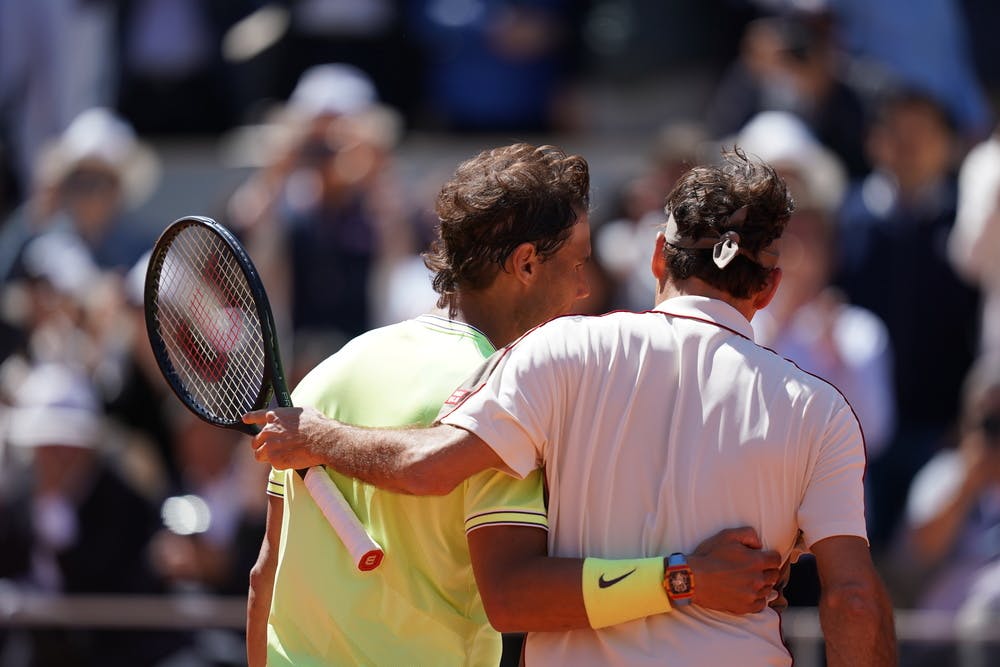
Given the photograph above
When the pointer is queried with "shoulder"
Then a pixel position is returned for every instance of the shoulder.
(571, 336)
(803, 388)
(359, 350)
(584, 326)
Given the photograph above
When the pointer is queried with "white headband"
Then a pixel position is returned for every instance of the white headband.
(725, 246)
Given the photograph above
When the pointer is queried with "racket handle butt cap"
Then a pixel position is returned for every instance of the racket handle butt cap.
(371, 560)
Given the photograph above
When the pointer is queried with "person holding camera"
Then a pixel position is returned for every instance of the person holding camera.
(953, 510)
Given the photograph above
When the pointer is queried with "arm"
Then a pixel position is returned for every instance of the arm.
(261, 586)
(854, 608)
(417, 461)
(524, 590)
(946, 500)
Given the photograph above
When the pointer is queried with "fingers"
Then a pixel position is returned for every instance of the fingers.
(261, 454)
(747, 536)
(258, 417)
(771, 561)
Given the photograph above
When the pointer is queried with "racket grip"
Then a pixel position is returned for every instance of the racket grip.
(365, 551)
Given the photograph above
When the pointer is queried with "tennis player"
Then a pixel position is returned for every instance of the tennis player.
(514, 239)
(655, 429)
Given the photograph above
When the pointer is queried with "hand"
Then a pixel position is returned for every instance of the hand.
(291, 437)
(982, 463)
(732, 573)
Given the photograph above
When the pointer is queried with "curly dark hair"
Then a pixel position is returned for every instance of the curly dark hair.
(702, 202)
(498, 200)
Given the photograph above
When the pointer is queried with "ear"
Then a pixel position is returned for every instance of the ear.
(658, 263)
(522, 264)
(770, 288)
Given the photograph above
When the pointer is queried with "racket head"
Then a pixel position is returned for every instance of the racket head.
(210, 324)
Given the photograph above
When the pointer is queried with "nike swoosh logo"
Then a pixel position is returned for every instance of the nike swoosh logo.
(604, 583)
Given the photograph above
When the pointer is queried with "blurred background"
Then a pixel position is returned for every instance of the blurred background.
(320, 131)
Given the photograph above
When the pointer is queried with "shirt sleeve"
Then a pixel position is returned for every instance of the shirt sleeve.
(276, 483)
(514, 405)
(833, 503)
(495, 499)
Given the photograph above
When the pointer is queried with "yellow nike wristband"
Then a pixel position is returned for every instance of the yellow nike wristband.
(616, 591)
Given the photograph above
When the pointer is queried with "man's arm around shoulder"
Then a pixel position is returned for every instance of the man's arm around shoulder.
(855, 611)
(523, 590)
(416, 461)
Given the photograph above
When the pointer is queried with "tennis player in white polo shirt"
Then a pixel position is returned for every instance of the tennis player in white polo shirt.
(660, 428)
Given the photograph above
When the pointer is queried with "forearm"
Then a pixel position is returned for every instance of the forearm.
(933, 538)
(854, 609)
(262, 586)
(258, 608)
(523, 590)
(539, 594)
(417, 461)
(858, 627)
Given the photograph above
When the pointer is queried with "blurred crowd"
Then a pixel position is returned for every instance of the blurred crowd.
(878, 115)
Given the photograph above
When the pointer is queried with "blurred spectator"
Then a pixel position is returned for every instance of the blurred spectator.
(326, 213)
(87, 182)
(47, 303)
(496, 65)
(974, 244)
(809, 321)
(621, 245)
(894, 229)
(213, 522)
(215, 516)
(135, 394)
(952, 529)
(70, 523)
(791, 62)
(56, 60)
(922, 45)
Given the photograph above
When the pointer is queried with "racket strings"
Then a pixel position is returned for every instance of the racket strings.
(209, 324)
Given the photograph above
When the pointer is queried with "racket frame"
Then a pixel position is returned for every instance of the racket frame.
(366, 553)
(273, 383)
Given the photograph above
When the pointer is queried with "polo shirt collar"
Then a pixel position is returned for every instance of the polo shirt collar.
(712, 310)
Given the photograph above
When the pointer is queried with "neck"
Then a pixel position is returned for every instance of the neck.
(480, 310)
(669, 289)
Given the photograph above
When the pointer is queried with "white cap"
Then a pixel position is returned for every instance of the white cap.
(98, 135)
(783, 140)
(56, 405)
(332, 89)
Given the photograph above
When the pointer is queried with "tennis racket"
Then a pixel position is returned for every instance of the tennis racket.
(211, 328)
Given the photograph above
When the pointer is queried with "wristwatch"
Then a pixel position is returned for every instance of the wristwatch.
(678, 580)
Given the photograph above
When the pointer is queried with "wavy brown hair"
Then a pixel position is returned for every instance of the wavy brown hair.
(498, 200)
(703, 200)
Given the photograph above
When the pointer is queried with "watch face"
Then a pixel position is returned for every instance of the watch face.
(679, 582)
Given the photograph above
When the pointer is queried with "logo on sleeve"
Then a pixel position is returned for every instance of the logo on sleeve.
(457, 397)
(604, 583)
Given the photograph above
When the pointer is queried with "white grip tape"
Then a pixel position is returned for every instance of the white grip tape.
(365, 551)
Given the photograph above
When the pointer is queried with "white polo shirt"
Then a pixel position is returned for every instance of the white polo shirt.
(657, 430)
